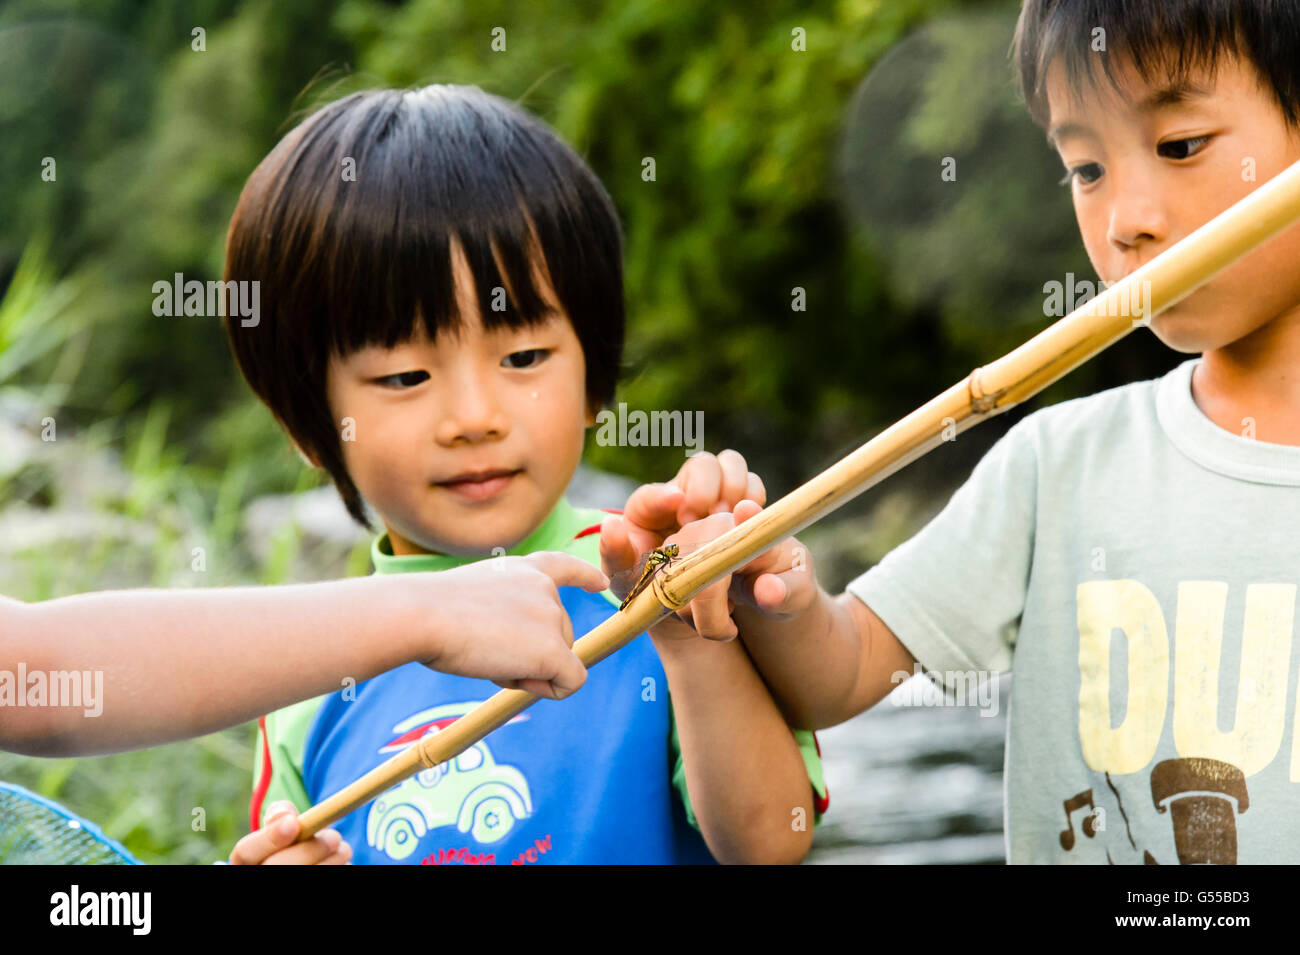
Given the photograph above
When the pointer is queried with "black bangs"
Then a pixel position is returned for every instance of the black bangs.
(349, 224)
(1165, 40)
(430, 167)
(389, 179)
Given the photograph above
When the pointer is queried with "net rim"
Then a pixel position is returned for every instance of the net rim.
(73, 819)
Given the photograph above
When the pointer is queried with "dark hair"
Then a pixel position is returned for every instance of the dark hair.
(1159, 37)
(347, 262)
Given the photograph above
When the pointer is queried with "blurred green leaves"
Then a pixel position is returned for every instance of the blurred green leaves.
(36, 320)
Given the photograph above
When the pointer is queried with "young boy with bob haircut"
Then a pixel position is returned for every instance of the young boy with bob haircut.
(441, 281)
(1134, 554)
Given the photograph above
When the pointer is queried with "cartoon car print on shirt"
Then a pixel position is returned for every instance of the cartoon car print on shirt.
(472, 792)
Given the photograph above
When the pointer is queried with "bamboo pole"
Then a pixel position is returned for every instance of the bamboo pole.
(985, 392)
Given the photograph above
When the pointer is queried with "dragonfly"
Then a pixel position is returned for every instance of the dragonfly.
(655, 561)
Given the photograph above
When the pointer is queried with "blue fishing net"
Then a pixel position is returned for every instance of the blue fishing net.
(36, 831)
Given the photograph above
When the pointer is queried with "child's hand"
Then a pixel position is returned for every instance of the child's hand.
(273, 844)
(779, 584)
(619, 554)
(504, 622)
(706, 484)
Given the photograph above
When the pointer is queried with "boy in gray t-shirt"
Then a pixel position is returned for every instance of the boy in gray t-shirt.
(1134, 555)
(1137, 565)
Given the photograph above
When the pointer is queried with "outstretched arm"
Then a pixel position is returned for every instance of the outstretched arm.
(152, 666)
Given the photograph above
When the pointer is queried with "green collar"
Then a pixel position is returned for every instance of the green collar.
(554, 533)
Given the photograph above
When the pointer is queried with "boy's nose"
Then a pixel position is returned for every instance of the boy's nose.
(471, 413)
(1136, 218)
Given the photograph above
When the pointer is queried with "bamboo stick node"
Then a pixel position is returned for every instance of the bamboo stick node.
(981, 402)
(424, 750)
(665, 597)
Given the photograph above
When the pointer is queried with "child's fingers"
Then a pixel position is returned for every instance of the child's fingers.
(772, 582)
(281, 807)
(546, 689)
(701, 481)
(277, 832)
(715, 484)
(710, 612)
(654, 507)
(774, 559)
(770, 591)
(342, 857)
(314, 851)
(734, 483)
(773, 595)
(570, 676)
(777, 582)
(569, 571)
(616, 551)
(557, 676)
(273, 844)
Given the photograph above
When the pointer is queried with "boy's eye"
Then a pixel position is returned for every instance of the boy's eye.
(1182, 148)
(524, 359)
(1088, 173)
(406, 379)
(1176, 149)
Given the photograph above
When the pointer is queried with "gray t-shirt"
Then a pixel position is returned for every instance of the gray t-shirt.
(1138, 566)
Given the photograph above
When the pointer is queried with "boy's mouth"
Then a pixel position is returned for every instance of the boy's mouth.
(480, 485)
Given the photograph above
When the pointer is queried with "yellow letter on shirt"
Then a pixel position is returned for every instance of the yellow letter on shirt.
(1103, 606)
(1265, 648)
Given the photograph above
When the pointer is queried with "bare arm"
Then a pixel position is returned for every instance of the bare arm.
(165, 665)
(172, 664)
(744, 772)
(829, 664)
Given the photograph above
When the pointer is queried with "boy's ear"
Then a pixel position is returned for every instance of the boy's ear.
(591, 414)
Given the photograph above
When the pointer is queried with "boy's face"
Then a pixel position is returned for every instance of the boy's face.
(512, 403)
(1152, 166)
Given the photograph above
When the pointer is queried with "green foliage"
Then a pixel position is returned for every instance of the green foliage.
(37, 320)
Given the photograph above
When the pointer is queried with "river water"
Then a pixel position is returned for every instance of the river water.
(914, 784)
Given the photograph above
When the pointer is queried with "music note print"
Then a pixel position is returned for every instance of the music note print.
(1074, 804)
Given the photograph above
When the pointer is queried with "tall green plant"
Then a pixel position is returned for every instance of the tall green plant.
(36, 320)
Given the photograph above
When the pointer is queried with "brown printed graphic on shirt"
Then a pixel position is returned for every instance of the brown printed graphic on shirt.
(1202, 798)
(1202, 793)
